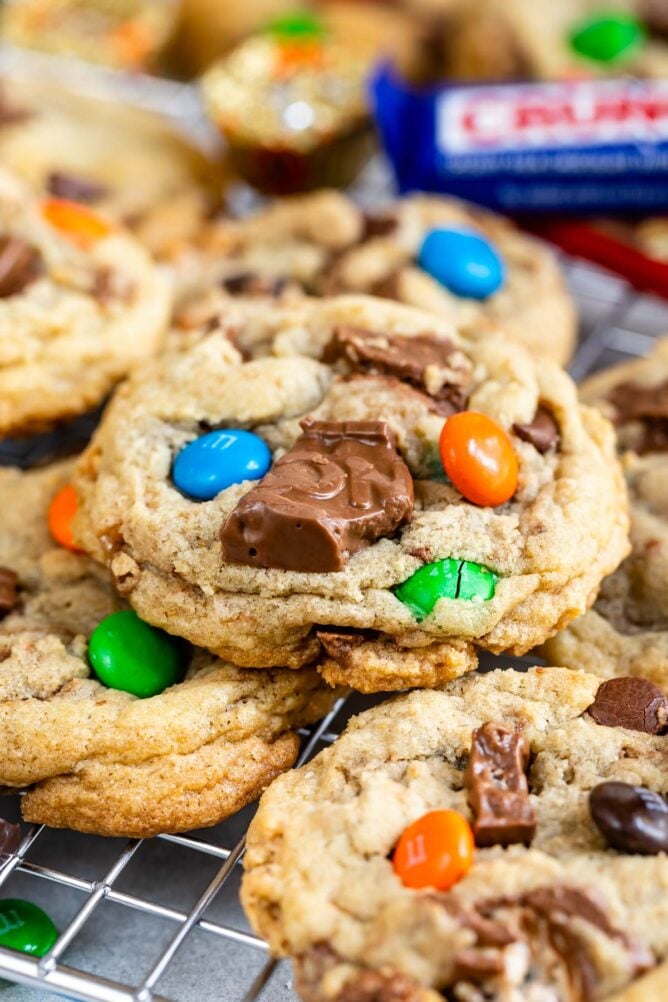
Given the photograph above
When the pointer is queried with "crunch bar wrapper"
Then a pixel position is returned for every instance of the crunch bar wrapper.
(575, 146)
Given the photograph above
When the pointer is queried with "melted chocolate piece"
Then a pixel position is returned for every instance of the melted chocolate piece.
(497, 786)
(250, 284)
(340, 487)
(76, 189)
(10, 837)
(548, 912)
(20, 265)
(634, 703)
(379, 224)
(630, 818)
(647, 405)
(8, 582)
(340, 643)
(542, 433)
(363, 986)
(654, 14)
(432, 364)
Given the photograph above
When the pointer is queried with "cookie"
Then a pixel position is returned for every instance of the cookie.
(271, 489)
(329, 246)
(97, 758)
(127, 36)
(626, 632)
(158, 183)
(480, 841)
(520, 39)
(80, 303)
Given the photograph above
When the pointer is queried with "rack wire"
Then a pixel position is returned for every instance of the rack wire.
(143, 921)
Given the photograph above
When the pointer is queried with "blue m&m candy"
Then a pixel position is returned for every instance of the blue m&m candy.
(462, 261)
(217, 460)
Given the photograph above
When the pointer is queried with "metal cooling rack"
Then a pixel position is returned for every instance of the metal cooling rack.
(143, 921)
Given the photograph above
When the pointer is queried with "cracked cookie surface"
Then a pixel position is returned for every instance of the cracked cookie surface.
(324, 244)
(626, 632)
(548, 546)
(567, 919)
(98, 759)
(78, 307)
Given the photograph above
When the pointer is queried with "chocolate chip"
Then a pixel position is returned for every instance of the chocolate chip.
(630, 818)
(250, 284)
(431, 363)
(634, 703)
(340, 487)
(76, 189)
(654, 14)
(8, 582)
(497, 786)
(379, 224)
(10, 837)
(542, 432)
(20, 265)
(647, 405)
(111, 287)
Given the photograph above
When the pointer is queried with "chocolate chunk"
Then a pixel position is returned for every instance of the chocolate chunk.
(430, 363)
(11, 114)
(557, 907)
(654, 14)
(634, 703)
(339, 643)
(10, 838)
(76, 189)
(497, 786)
(250, 284)
(547, 917)
(647, 405)
(542, 433)
(388, 287)
(630, 818)
(8, 582)
(20, 265)
(379, 224)
(340, 487)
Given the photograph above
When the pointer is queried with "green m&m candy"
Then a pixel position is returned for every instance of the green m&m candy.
(298, 26)
(448, 578)
(608, 37)
(25, 927)
(128, 654)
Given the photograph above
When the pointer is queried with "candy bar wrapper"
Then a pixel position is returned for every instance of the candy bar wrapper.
(584, 146)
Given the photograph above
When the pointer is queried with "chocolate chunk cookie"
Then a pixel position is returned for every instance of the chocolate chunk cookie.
(58, 142)
(627, 630)
(93, 756)
(272, 489)
(324, 244)
(520, 39)
(487, 840)
(80, 303)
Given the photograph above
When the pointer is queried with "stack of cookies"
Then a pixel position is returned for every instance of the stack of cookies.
(339, 451)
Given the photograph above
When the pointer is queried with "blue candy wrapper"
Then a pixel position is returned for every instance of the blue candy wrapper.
(575, 146)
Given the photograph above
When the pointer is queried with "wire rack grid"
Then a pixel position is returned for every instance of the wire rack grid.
(160, 919)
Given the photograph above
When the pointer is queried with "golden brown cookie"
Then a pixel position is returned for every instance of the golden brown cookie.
(355, 546)
(563, 896)
(81, 302)
(324, 244)
(626, 632)
(99, 759)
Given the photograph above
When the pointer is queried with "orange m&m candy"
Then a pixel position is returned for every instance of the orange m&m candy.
(435, 851)
(59, 517)
(76, 221)
(479, 458)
